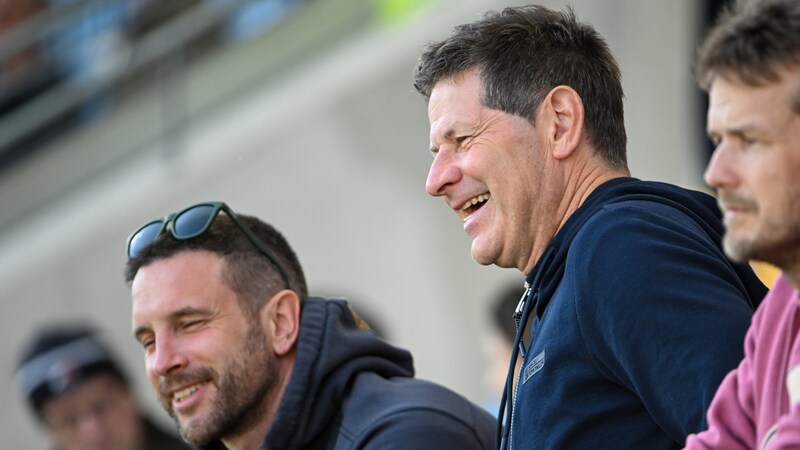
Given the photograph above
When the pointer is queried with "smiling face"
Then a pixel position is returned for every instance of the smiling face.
(493, 170)
(755, 167)
(210, 366)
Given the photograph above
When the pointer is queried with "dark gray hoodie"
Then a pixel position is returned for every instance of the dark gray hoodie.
(352, 390)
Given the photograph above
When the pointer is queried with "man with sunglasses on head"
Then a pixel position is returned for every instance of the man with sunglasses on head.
(242, 358)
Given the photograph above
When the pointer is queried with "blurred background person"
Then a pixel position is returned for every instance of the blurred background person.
(81, 395)
(497, 342)
(25, 72)
(749, 63)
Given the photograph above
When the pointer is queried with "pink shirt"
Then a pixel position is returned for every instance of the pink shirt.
(751, 409)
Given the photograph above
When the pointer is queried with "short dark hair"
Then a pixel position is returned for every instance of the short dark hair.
(252, 276)
(522, 54)
(61, 357)
(749, 42)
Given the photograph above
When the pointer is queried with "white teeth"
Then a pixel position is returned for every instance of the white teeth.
(180, 395)
(474, 201)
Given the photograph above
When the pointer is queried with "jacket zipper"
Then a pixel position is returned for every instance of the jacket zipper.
(517, 320)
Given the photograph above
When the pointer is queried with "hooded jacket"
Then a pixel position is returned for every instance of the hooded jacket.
(352, 390)
(636, 315)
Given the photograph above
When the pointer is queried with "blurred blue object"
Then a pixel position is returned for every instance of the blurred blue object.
(88, 46)
(254, 18)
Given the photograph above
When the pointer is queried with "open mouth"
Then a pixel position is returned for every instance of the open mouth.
(179, 396)
(474, 204)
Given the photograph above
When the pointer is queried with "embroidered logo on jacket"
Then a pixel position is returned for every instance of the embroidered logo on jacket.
(533, 367)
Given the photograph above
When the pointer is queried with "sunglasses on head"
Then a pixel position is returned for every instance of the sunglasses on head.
(192, 222)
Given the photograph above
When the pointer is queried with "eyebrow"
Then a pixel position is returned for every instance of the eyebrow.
(738, 132)
(743, 128)
(448, 135)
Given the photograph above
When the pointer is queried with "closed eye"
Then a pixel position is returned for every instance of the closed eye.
(147, 343)
(749, 141)
(190, 324)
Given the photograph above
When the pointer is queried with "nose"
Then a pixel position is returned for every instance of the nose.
(167, 357)
(442, 174)
(92, 428)
(720, 172)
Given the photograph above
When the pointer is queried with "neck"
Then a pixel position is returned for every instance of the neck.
(579, 184)
(253, 437)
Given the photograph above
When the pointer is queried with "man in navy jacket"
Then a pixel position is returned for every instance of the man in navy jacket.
(635, 313)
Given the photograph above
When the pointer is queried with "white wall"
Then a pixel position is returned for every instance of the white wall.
(336, 157)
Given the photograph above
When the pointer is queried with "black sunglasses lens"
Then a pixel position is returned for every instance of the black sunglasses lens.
(193, 221)
(146, 235)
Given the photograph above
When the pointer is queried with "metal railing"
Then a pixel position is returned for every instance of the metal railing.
(149, 49)
(158, 107)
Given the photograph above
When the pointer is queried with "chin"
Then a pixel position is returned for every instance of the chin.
(740, 249)
(480, 256)
(195, 438)
(485, 257)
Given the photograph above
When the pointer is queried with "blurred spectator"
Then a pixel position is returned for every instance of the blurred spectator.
(253, 17)
(90, 46)
(82, 396)
(87, 45)
(25, 73)
(497, 343)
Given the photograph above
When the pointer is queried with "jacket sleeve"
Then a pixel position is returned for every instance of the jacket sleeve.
(424, 430)
(661, 311)
(730, 416)
(406, 413)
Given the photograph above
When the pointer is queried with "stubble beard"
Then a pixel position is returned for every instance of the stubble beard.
(244, 392)
(776, 242)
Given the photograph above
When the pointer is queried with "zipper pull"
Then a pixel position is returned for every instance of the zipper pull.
(521, 305)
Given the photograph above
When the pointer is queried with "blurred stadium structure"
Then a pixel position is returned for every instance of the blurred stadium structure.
(167, 62)
(311, 122)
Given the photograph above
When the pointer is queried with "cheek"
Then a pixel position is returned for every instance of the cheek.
(767, 178)
(151, 374)
(69, 440)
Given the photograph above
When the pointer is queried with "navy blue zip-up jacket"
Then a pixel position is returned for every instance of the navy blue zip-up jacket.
(352, 390)
(636, 316)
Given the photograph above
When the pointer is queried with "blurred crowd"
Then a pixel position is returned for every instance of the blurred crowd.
(89, 49)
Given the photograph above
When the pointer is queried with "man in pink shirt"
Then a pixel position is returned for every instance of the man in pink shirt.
(750, 66)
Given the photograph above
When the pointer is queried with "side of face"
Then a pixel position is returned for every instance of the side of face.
(754, 167)
(211, 367)
(491, 168)
(99, 414)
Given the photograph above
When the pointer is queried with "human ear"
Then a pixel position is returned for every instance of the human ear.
(563, 110)
(281, 317)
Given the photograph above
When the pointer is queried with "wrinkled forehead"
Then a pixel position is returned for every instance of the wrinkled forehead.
(455, 93)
